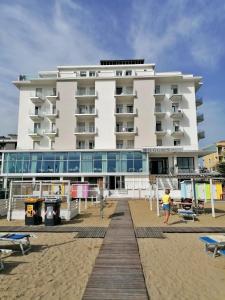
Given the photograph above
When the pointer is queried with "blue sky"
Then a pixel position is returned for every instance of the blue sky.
(176, 35)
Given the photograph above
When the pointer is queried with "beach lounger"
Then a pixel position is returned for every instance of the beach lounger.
(21, 239)
(186, 214)
(3, 252)
(214, 244)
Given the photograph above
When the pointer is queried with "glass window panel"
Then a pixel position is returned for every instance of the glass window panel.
(138, 155)
(48, 156)
(86, 166)
(127, 155)
(61, 166)
(12, 156)
(36, 156)
(74, 156)
(111, 165)
(26, 166)
(48, 166)
(138, 165)
(97, 156)
(113, 155)
(19, 166)
(97, 166)
(86, 156)
(124, 166)
(61, 155)
(38, 166)
(74, 166)
(130, 165)
(12, 166)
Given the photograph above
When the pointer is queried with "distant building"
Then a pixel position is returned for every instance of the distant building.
(6, 143)
(210, 161)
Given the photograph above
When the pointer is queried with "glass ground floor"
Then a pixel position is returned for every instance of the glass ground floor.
(112, 167)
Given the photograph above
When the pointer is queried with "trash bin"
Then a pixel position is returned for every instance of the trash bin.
(33, 211)
(52, 211)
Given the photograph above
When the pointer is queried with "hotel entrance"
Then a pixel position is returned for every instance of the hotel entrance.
(158, 165)
(115, 182)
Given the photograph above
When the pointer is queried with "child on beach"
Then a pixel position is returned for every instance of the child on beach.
(166, 200)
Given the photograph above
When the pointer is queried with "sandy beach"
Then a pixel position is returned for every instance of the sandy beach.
(57, 267)
(178, 268)
(143, 216)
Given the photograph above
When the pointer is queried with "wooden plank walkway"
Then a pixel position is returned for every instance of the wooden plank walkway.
(118, 274)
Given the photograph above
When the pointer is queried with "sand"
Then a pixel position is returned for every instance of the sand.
(143, 216)
(58, 267)
(178, 268)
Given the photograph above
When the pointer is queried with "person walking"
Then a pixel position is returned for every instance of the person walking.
(166, 200)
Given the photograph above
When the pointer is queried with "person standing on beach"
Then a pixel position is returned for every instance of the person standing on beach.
(166, 200)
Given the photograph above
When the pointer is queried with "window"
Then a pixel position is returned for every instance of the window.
(159, 142)
(36, 145)
(119, 90)
(83, 73)
(119, 73)
(81, 91)
(157, 89)
(81, 145)
(130, 109)
(128, 73)
(158, 107)
(176, 142)
(119, 144)
(130, 144)
(176, 125)
(174, 89)
(175, 107)
(119, 108)
(185, 163)
(92, 74)
(158, 165)
(54, 92)
(158, 126)
(38, 92)
(91, 144)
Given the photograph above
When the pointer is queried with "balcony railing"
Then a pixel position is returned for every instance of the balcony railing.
(89, 93)
(37, 100)
(126, 111)
(88, 111)
(177, 131)
(35, 116)
(35, 133)
(176, 97)
(125, 93)
(200, 118)
(160, 131)
(125, 129)
(201, 134)
(159, 112)
(52, 114)
(159, 97)
(176, 114)
(85, 130)
(199, 101)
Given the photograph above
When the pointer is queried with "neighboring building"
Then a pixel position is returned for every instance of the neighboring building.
(113, 122)
(210, 161)
(6, 143)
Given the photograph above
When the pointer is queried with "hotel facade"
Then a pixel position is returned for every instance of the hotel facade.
(116, 122)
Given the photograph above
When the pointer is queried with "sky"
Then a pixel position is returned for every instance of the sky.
(176, 35)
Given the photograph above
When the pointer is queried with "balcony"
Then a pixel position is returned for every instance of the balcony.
(177, 114)
(159, 97)
(159, 113)
(176, 98)
(86, 94)
(201, 134)
(88, 131)
(89, 112)
(37, 100)
(160, 131)
(52, 115)
(36, 116)
(177, 132)
(51, 133)
(198, 102)
(52, 98)
(200, 118)
(125, 131)
(35, 134)
(126, 112)
(186, 171)
(124, 93)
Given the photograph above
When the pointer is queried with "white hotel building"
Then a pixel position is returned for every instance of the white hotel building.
(116, 122)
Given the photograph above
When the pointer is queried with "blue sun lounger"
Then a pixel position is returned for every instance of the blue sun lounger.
(3, 252)
(21, 239)
(214, 244)
(187, 214)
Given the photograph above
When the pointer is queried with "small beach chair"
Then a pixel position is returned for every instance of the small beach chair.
(2, 253)
(214, 244)
(187, 214)
(21, 239)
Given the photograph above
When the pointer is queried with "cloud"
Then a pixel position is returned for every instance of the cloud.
(169, 30)
(40, 38)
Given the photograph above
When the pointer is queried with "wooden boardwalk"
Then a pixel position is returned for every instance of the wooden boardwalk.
(118, 273)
